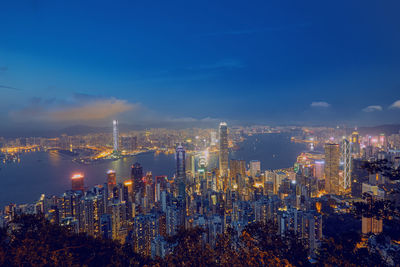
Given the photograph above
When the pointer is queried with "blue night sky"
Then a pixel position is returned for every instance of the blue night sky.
(283, 62)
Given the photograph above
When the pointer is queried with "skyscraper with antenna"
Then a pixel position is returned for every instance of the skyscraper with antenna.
(115, 137)
(223, 149)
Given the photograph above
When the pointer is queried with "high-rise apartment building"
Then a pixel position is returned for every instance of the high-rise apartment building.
(145, 230)
(118, 216)
(332, 162)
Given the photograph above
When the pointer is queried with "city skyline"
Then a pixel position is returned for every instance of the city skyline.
(214, 190)
(199, 133)
(295, 64)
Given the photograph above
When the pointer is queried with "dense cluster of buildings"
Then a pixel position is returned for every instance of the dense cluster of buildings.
(144, 209)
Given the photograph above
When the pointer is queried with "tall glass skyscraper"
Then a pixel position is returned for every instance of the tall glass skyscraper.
(223, 149)
(115, 136)
(180, 170)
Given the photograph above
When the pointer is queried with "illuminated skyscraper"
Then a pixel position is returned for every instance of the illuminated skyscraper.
(160, 185)
(115, 136)
(319, 166)
(237, 167)
(118, 213)
(137, 177)
(213, 138)
(223, 149)
(180, 170)
(345, 182)
(332, 161)
(237, 173)
(69, 204)
(128, 191)
(91, 205)
(145, 230)
(78, 183)
(255, 168)
(382, 140)
(111, 182)
(129, 198)
(355, 140)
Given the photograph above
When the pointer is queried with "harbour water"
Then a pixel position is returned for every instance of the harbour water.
(50, 172)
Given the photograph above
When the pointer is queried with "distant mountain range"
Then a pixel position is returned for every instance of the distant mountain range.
(85, 129)
(387, 129)
(71, 130)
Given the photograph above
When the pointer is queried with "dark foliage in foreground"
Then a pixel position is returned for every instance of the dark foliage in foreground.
(341, 246)
(33, 241)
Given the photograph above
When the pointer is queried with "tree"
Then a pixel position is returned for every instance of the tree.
(33, 241)
(225, 249)
(291, 247)
(190, 250)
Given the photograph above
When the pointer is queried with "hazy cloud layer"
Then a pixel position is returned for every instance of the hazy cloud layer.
(395, 105)
(373, 108)
(97, 110)
(320, 104)
(80, 108)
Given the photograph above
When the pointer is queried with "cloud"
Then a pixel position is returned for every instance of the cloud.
(82, 97)
(395, 105)
(320, 104)
(9, 87)
(3, 68)
(96, 110)
(373, 108)
(76, 110)
(83, 109)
